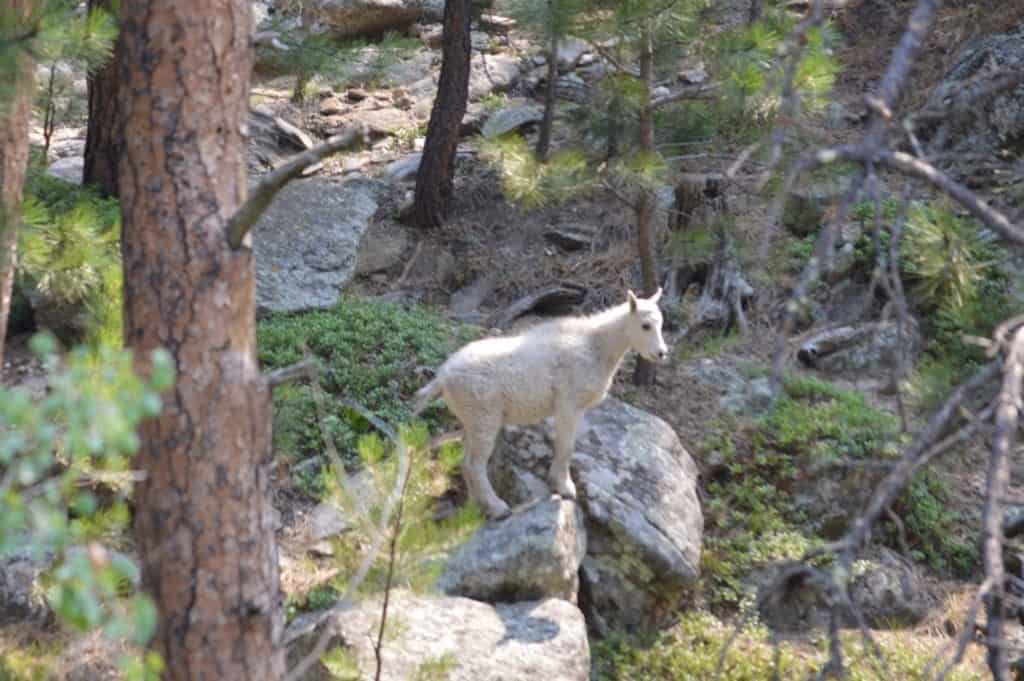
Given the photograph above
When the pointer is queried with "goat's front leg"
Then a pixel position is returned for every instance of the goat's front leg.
(567, 419)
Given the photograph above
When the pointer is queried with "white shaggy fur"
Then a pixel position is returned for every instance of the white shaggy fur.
(558, 368)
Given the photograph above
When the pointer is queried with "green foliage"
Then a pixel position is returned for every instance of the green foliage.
(945, 256)
(85, 428)
(436, 669)
(420, 541)
(341, 664)
(344, 62)
(751, 516)
(369, 351)
(530, 183)
(749, 60)
(70, 251)
(693, 647)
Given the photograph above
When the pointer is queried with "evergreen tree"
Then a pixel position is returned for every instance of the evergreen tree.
(103, 134)
(18, 31)
(436, 175)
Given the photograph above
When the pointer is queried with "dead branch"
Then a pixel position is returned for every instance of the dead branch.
(270, 184)
(291, 373)
(699, 91)
(997, 480)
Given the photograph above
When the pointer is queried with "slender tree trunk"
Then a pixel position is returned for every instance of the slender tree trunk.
(754, 11)
(435, 178)
(103, 139)
(203, 522)
(645, 371)
(15, 115)
(544, 141)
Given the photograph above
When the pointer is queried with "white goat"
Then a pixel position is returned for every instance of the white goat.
(558, 368)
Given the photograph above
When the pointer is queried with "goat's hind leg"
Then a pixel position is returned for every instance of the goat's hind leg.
(478, 445)
(566, 421)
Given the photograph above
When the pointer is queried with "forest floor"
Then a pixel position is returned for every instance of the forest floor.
(487, 234)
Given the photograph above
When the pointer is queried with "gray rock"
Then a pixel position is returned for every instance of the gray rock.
(533, 554)
(889, 592)
(997, 122)
(382, 247)
(273, 141)
(405, 169)
(865, 348)
(740, 395)
(570, 51)
(504, 121)
(572, 88)
(325, 521)
(471, 641)
(68, 169)
(21, 595)
(306, 243)
(492, 73)
(886, 591)
(637, 489)
(805, 208)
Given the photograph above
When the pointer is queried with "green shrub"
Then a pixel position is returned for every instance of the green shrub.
(692, 649)
(85, 427)
(370, 353)
(70, 251)
(750, 514)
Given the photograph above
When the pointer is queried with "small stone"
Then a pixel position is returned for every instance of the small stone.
(332, 106)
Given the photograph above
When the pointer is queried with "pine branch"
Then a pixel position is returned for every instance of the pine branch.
(271, 183)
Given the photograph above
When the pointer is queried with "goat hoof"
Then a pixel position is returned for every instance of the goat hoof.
(498, 513)
(566, 490)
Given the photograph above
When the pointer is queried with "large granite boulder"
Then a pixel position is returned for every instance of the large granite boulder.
(535, 553)
(21, 594)
(999, 121)
(306, 243)
(637, 488)
(467, 639)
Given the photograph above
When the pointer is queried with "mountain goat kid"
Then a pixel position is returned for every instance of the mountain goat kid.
(558, 368)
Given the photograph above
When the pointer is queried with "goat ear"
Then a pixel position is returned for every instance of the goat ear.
(657, 295)
(632, 301)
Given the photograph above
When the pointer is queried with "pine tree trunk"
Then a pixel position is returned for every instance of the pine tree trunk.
(203, 522)
(645, 371)
(103, 134)
(15, 115)
(544, 141)
(436, 175)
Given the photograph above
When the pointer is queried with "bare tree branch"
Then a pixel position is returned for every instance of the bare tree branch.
(271, 183)
(699, 91)
(997, 480)
(291, 373)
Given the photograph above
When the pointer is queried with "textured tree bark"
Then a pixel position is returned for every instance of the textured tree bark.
(103, 134)
(645, 373)
(203, 520)
(544, 140)
(435, 178)
(14, 123)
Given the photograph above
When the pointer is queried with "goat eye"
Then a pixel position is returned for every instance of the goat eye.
(645, 326)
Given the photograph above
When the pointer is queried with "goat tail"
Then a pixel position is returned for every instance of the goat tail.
(425, 394)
